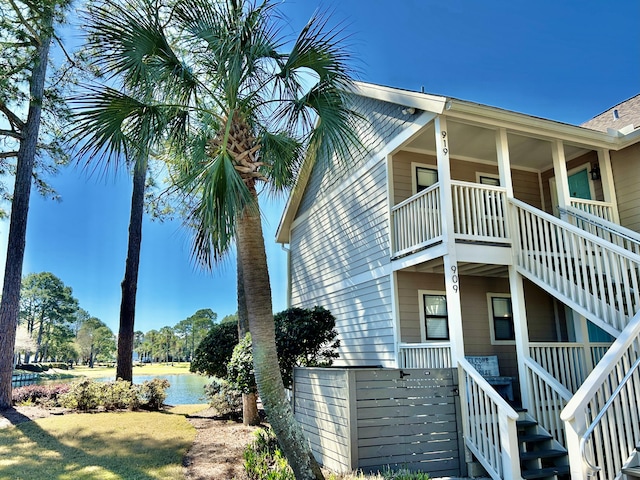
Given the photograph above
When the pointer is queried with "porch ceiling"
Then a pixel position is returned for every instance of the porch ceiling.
(464, 268)
(473, 142)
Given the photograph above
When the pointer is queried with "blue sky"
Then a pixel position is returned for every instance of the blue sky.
(564, 60)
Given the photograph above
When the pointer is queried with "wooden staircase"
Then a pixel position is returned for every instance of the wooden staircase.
(541, 457)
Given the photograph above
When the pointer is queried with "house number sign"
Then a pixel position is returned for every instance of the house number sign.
(454, 278)
(445, 150)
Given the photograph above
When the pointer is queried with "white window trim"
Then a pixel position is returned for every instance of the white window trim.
(488, 175)
(490, 296)
(414, 181)
(423, 320)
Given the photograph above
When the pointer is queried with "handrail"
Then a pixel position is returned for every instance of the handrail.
(596, 421)
(488, 389)
(563, 391)
(609, 361)
(567, 226)
(610, 227)
(478, 186)
(412, 198)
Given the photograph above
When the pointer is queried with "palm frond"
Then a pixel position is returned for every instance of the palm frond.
(282, 154)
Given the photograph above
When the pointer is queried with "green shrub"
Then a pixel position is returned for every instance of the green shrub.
(223, 397)
(120, 394)
(214, 351)
(240, 368)
(30, 367)
(263, 459)
(59, 365)
(153, 393)
(82, 395)
(403, 474)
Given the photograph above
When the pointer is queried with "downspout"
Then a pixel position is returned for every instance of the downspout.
(288, 250)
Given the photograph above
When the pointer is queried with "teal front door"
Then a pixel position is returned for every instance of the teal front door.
(579, 185)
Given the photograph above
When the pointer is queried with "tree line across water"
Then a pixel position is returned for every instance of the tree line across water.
(53, 327)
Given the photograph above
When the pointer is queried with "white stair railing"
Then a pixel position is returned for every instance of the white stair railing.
(596, 278)
(603, 210)
(602, 420)
(491, 432)
(548, 398)
(611, 232)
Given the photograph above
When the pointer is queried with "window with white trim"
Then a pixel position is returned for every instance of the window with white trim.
(435, 320)
(501, 318)
(425, 177)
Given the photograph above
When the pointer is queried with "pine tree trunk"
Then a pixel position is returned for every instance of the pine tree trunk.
(124, 369)
(250, 243)
(10, 303)
(250, 415)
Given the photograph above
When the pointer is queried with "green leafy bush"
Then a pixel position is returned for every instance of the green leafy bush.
(154, 393)
(240, 368)
(120, 394)
(215, 350)
(223, 397)
(82, 395)
(30, 367)
(403, 474)
(39, 394)
(263, 459)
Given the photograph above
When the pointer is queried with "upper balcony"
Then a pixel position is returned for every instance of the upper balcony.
(482, 167)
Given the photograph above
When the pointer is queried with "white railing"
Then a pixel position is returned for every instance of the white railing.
(491, 432)
(548, 398)
(479, 212)
(569, 363)
(600, 278)
(417, 221)
(599, 209)
(602, 419)
(609, 231)
(425, 355)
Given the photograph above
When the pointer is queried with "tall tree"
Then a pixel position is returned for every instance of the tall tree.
(236, 111)
(194, 328)
(26, 29)
(48, 309)
(95, 339)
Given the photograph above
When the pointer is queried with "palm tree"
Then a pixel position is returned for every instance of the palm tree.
(235, 112)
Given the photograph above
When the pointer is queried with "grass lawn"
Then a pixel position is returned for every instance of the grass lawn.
(120, 445)
(99, 372)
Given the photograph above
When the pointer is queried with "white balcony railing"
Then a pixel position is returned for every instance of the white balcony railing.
(602, 210)
(425, 355)
(479, 214)
(417, 222)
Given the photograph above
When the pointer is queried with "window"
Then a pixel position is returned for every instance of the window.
(425, 177)
(489, 180)
(434, 310)
(501, 317)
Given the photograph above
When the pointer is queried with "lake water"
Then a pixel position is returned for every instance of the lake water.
(184, 389)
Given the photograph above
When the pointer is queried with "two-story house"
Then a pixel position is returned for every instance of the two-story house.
(468, 230)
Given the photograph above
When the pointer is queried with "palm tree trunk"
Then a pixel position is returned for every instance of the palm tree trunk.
(250, 243)
(124, 369)
(250, 415)
(10, 304)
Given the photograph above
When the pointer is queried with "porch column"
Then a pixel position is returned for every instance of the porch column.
(608, 187)
(504, 165)
(521, 331)
(560, 171)
(451, 274)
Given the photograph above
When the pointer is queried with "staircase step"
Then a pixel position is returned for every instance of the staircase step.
(545, 472)
(524, 423)
(534, 438)
(525, 456)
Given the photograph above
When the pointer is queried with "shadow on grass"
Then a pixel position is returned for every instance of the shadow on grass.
(88, 446)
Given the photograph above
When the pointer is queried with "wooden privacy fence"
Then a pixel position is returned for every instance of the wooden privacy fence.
(371, 418)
